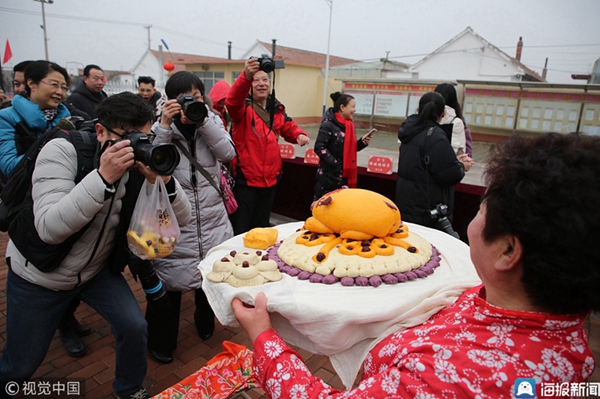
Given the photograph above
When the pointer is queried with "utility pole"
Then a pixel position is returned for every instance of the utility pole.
(44, 25)
(148, 27)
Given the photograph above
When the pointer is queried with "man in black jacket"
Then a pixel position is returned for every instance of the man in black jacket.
(147, 90)
(89, 94)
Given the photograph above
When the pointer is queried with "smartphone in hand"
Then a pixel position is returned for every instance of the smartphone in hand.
(370, 133)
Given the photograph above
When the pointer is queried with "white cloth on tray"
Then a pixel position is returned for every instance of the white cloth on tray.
(341, 322)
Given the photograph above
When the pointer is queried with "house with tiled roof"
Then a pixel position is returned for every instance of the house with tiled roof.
(468, 56)
(299, 86)
(296, 56)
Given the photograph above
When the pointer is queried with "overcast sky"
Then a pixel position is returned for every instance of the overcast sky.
(111, 33)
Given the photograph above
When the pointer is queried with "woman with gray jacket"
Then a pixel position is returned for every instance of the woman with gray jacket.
(210, 145)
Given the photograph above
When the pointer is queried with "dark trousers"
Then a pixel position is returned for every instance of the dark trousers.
(254, 207)
(33, 313)
(163, 324)
(68, 320)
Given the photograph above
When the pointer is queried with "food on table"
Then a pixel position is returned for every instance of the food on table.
(357, 237)
(245, 268)
(260, 238)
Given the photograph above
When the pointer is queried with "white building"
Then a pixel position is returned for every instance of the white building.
(468, 56)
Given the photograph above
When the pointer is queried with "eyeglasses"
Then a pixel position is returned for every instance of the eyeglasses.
(151, 136)
(121, 135)
(56, 86)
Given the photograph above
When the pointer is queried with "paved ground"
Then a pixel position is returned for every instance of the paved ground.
(96, 369)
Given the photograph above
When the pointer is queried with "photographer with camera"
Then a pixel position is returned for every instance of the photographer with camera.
(204, 145)
(61, 208)
(428, 168)
(258, 119)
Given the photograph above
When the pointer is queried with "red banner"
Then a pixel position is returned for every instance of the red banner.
(389, 87)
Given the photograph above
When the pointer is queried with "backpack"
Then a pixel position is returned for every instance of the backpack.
(16, 204)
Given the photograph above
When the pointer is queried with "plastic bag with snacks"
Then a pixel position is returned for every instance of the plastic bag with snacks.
(154, 230)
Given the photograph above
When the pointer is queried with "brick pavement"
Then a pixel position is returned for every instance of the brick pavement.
(97, 367)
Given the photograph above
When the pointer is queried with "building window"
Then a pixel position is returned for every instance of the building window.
(209, 79)
(235, 75)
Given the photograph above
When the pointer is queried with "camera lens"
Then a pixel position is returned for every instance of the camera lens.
(195, 111)
(444, 225)
(163, 158)
(267, 65)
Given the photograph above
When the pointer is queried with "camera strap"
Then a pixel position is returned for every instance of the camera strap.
(260, 111)
(199, 167)
(426, 161)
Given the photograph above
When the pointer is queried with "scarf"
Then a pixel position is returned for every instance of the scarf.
(50, 113)
(349, 167)
(188, 130)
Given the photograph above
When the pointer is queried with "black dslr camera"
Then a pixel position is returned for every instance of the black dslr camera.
(268, 65)
(193, 109)
(162, 158)
(440, 215)
(77, 123)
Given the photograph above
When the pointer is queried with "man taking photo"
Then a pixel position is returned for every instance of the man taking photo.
(36, 300)
(258, 120)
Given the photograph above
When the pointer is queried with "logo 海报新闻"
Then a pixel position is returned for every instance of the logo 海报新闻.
(525, 388)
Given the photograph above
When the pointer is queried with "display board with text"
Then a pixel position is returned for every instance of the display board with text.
(387, 100)
(532, 111)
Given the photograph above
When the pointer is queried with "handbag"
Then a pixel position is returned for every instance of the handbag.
(227, 184)
(225, 192)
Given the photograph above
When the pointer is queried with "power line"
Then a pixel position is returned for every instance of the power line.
(115, 22)
(77, 18)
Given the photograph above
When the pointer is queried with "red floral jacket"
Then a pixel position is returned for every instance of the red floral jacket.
(470, 349)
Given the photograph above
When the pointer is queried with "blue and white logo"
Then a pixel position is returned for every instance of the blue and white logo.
(525, 388)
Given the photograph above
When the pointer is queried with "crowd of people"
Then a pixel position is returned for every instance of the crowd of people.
(235, 130)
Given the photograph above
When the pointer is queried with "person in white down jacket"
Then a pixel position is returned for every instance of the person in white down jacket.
(35, 299)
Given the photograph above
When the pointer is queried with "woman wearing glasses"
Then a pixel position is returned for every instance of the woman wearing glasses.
(33, 112)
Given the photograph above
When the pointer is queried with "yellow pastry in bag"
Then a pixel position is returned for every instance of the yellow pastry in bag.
(144, 244)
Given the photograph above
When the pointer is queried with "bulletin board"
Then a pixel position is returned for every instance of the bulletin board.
(548, 116)
(364, 101)
(391, 104)
(393, 100)
(590, 119)
(488, 111)
(413, 103)
(561, 111)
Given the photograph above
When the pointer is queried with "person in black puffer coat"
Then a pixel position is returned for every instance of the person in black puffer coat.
(420, 187)
(337, 164)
